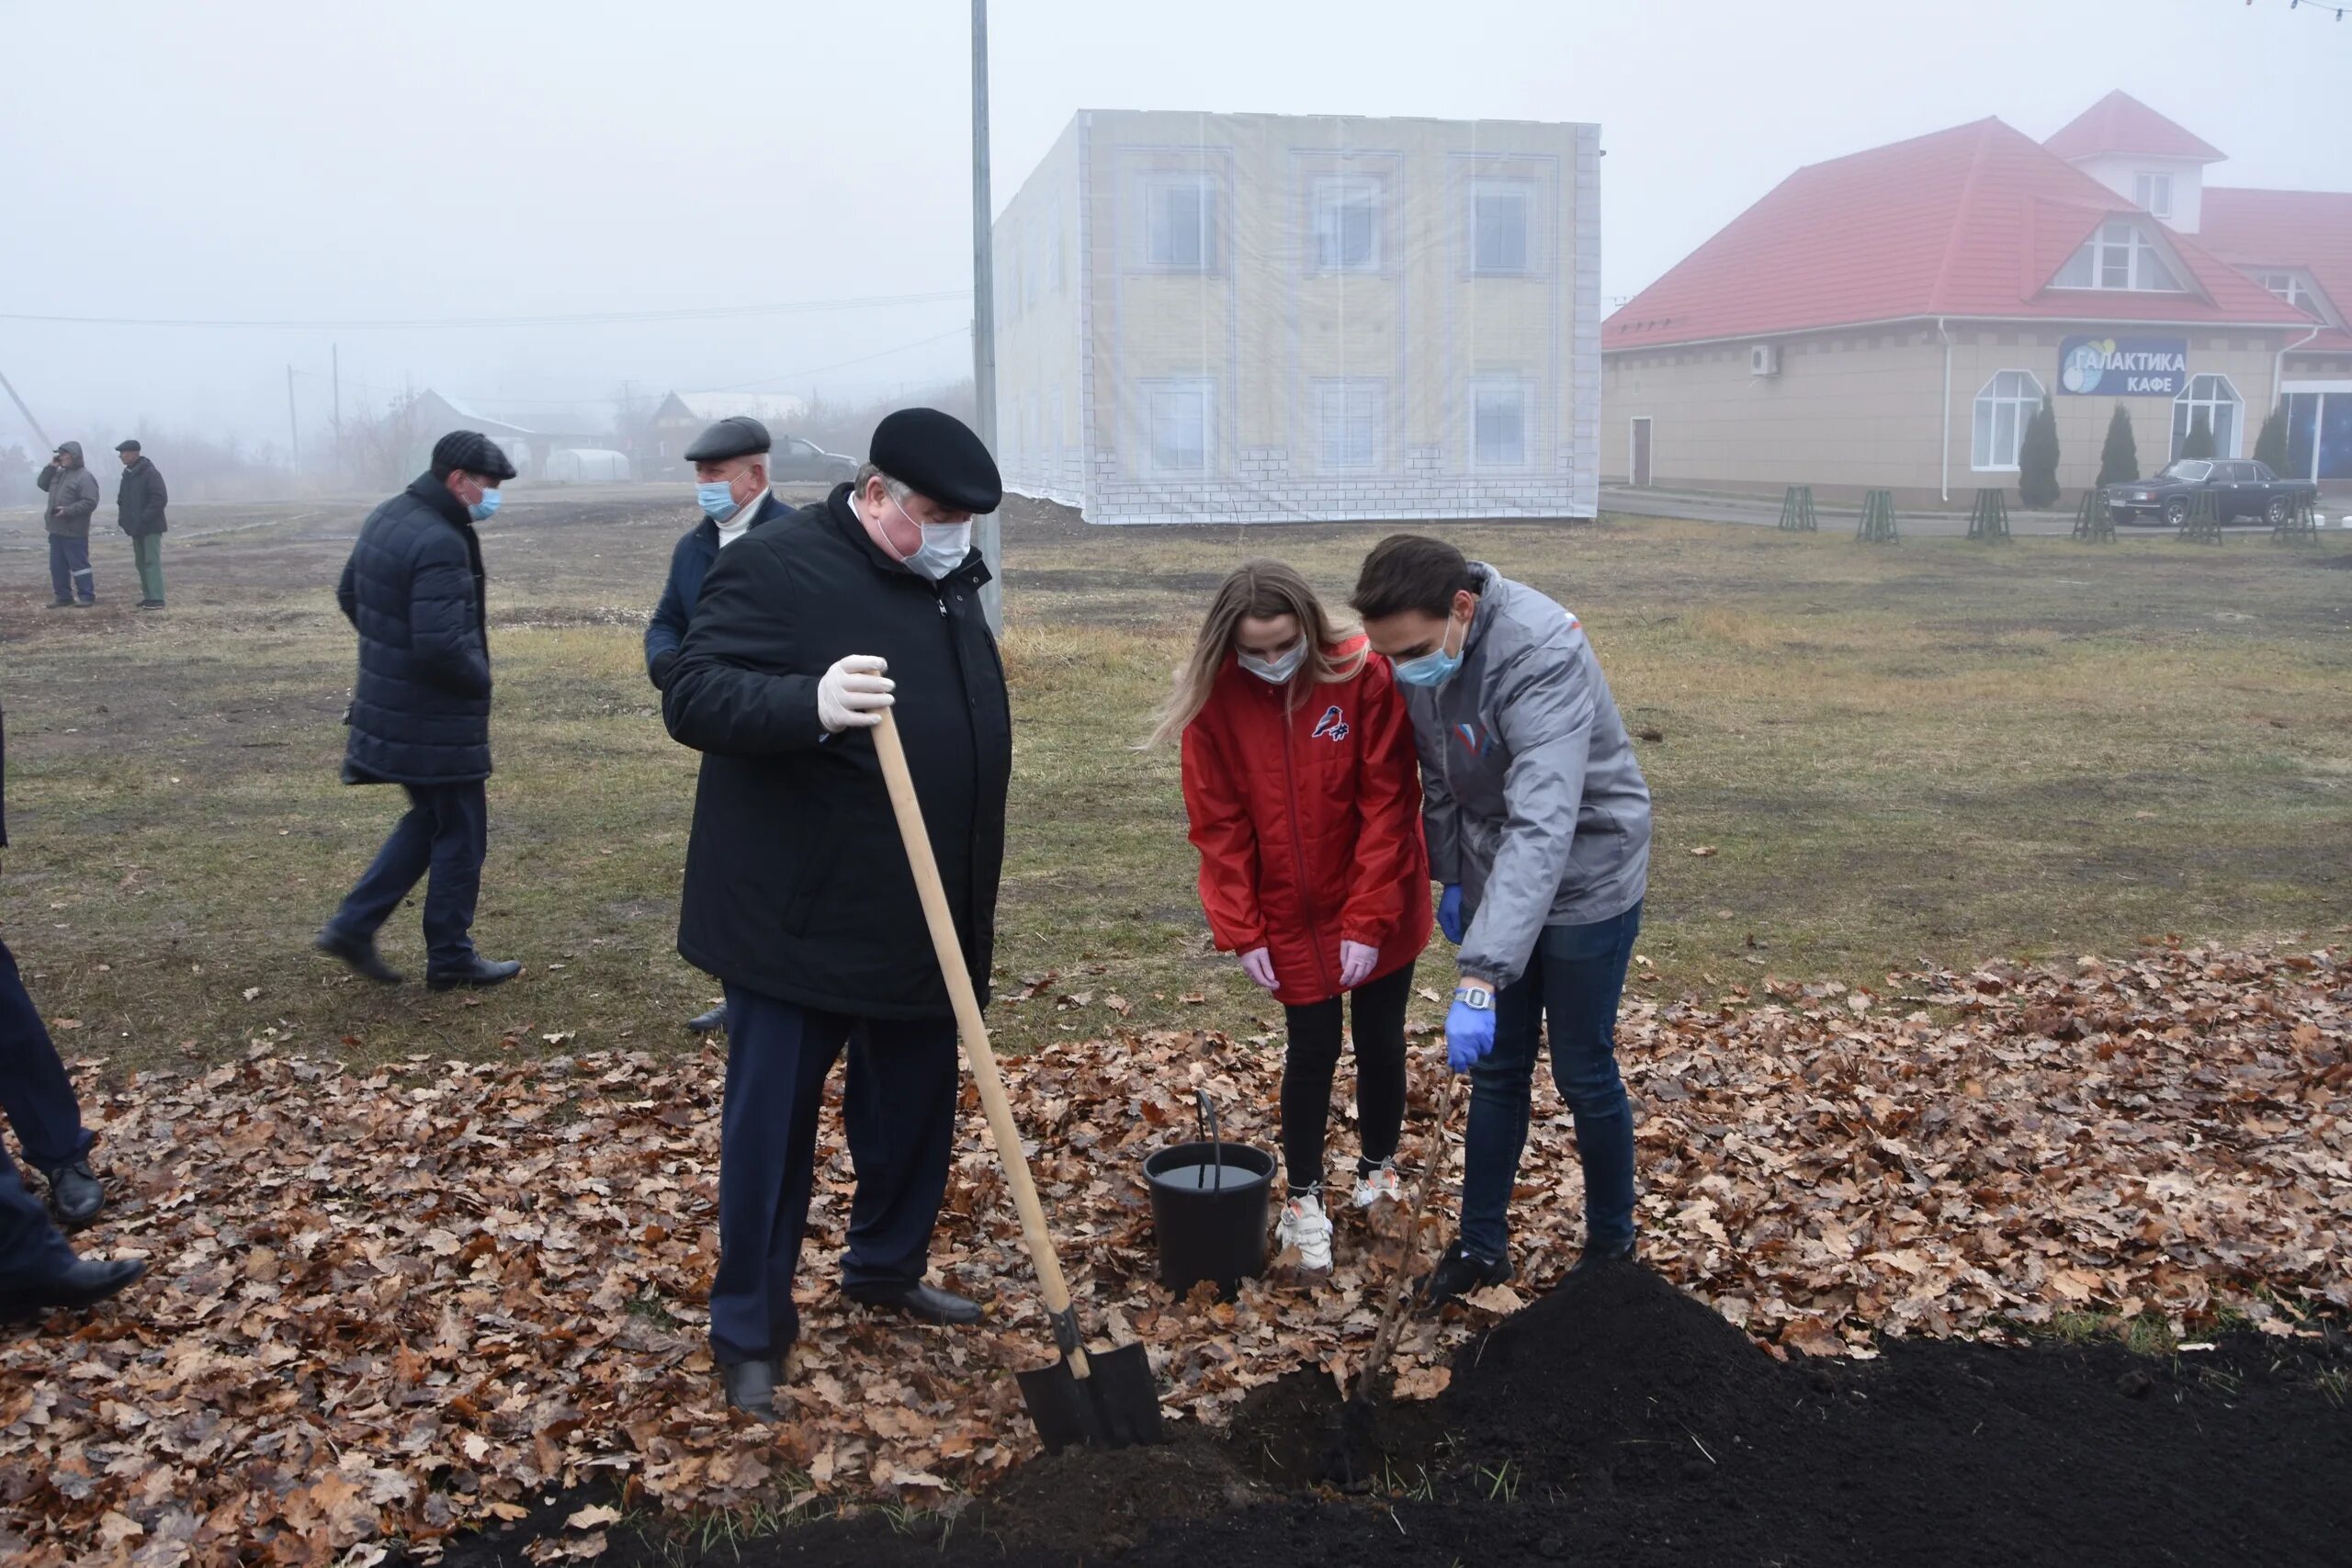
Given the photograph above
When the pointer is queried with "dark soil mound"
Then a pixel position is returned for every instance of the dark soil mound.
(1087, 1501)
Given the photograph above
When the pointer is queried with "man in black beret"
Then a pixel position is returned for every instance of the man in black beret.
(799, 896)
(420, 713)
(730, 462)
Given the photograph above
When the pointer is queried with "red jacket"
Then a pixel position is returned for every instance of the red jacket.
(1309, 823)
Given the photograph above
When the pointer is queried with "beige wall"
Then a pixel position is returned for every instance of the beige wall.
(1040, 327)
(1858, 410)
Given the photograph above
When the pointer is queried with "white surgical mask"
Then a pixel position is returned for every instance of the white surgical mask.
(944, 546)
(1280, 668)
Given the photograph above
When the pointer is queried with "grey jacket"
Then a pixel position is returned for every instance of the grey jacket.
(73, 497)
(1533, 800)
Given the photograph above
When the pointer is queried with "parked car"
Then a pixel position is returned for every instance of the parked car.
(2242, 489)
(795, 461)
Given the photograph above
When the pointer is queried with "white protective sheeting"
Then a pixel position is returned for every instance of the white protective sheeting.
(1267, 318)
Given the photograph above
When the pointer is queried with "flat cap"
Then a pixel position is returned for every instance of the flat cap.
(737, 435)
(473, 452)
(129, 445)
(939, 457)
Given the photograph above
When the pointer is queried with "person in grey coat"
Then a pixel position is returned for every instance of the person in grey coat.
(72, 492)
(1538, 834)
(140, 500)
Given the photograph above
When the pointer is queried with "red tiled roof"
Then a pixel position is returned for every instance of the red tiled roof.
(1973, 222)
(2122, 123)
(2307, 229)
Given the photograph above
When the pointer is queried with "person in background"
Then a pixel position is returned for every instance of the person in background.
(38, 1268)
(72, 492)
(731, 461)
(140, 503)
(1538, 832)
(1300, 782)
(420, 715)
(798, 894)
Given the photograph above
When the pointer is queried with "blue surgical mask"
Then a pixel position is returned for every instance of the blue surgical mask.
(1277, 670)
(717, 499)
(482, 511)
(1434, 668)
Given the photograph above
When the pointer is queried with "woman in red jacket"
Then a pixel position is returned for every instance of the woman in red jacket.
(1305, 803)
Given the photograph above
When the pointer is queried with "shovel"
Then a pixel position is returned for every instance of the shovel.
(1104, 1398)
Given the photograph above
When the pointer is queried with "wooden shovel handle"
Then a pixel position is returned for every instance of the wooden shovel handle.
(975, 1033)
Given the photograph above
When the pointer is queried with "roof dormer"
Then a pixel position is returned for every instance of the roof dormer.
(2152, 162)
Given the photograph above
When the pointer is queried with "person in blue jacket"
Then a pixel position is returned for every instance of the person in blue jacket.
(731, 461)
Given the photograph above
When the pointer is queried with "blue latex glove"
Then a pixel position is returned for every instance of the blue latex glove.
(1469, 1035)
(1449, 913)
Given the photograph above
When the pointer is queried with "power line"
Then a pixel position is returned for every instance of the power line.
(574, 319)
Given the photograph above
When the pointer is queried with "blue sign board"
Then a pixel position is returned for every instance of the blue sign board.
(2123, 367)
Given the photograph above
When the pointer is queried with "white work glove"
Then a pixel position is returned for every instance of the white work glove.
(853, 693)
(1260, 967)
(1356, 960)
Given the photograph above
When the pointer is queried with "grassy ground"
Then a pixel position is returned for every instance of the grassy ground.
(1937, 750)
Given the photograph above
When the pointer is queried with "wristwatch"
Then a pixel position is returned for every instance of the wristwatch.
(1475, 999)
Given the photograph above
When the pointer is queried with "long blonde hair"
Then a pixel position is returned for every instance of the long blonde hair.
(1259, 590)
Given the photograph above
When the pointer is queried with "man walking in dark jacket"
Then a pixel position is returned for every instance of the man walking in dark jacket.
(420, 715)
(799, 895)
(73, 496)
(140, 500)
(37, 1269)
(730, 463)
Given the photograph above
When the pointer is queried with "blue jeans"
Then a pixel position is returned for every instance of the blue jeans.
(898, 1112)
(446, 832)
(69, 569)
(1573, 981)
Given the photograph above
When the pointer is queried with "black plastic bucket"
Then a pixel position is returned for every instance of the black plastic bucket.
(1209, 1204)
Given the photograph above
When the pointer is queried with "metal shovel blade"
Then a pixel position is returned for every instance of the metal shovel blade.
(1115, 1405)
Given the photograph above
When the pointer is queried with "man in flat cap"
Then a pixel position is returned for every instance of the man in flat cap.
(73, 493)
(730, 462)
(139, 502)
(420, 713)
(799, 896)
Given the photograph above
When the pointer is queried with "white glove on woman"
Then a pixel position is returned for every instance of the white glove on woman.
(853, 693)
(1258, 965)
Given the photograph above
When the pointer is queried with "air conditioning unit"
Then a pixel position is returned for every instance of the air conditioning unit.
(1764, 359)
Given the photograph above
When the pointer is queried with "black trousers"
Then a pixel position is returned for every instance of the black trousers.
(1378, 1008)
(443, 835)
(40, 1105)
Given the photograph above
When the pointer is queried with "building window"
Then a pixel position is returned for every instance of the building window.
(1179, 223)
(2213, 397)
(2290, 287)
(1029, 270)
(1350, 420)
(2003, 408)
(1180, 419)
(1502, 226)
(1058, 264)
(1347, 224)
(1498, 424)
(2153, 193)
(2119, 256)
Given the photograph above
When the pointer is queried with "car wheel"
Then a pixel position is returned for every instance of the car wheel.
(2275, 513)
(2176, 511)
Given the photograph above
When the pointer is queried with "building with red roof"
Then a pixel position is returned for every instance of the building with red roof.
(1893, 318)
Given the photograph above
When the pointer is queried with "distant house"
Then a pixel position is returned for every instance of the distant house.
(681, 416)
(1254, 318)
(1895, 318)
(431, 415)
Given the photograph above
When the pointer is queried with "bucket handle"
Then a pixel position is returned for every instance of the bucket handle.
(1205, 1113)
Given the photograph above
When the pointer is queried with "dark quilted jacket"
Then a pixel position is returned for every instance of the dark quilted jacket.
(420, 713)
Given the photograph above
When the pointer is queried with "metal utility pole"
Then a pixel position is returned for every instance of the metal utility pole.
(293, 434)
(988, 532)
(335, 352)
(48, 445)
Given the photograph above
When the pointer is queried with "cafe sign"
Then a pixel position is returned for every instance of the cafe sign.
(2123, 367)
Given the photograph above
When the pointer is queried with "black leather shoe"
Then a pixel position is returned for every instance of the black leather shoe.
(751, 1388)
(1461, 1271)
(708, 1023)
(925, 1302)
(480, 972)
(360, 953)
(61, 603)
(84, 1282)
(1593, 1258)
(75, 1195)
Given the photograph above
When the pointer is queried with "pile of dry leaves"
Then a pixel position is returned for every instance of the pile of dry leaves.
(388, 1303)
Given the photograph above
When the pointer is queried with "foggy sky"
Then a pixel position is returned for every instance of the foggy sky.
(529, 157)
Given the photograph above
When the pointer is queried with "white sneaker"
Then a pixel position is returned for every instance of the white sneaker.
(1381, 1182)
(1305, 1226)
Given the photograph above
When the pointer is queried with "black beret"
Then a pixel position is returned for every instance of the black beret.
(737, 435)
(473, 452)
(131, 445)
(938, 456)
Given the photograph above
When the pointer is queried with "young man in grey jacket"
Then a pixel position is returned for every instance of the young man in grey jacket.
(1539, 833)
